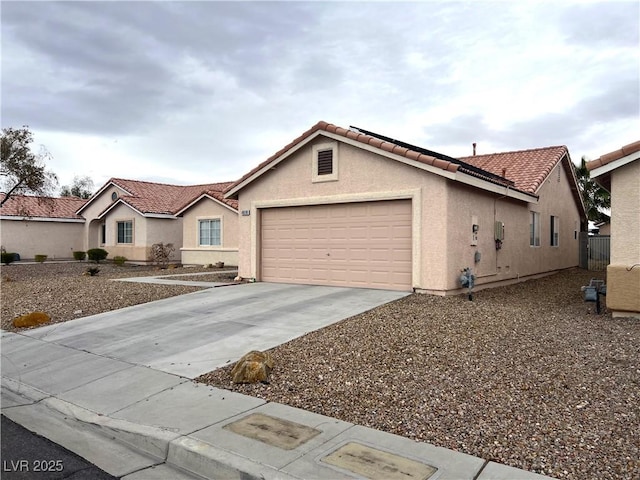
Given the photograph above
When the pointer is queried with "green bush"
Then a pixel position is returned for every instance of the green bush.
(97, 254)
(7, 258)
(118, 260)
(79, 255)
(40, 258)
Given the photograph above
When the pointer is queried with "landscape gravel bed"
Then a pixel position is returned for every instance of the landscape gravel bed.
(526, 375)
(64, 293)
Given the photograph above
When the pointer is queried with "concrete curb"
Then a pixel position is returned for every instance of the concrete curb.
(176, 450)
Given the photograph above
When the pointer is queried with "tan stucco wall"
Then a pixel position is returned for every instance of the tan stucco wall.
(146, 232)
(30, 238)
(442, 217)
(623, 281)
(96, 206)
(362, 176)
(192, 253)
(516, 259)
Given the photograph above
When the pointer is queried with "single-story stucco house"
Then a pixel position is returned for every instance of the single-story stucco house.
(31, 226)
(349, 207)
(126, 217)
(619, 173)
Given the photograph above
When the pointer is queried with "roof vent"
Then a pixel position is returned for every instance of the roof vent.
(474, 148)
(504, 173)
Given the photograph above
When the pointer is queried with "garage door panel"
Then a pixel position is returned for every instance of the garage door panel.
(361, 244)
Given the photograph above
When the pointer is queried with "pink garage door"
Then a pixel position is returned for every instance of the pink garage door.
(364, 244)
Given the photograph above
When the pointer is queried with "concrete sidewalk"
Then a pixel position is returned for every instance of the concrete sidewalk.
(106, 388)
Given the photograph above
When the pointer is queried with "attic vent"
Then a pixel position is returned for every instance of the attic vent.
(325, 162)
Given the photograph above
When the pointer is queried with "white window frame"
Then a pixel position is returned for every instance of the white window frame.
(534, 229)
(333, 176)
(118, 222)
(199, 232)
(554, 239)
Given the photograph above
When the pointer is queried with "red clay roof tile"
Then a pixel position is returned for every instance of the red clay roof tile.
(160, 198)
(615, 155)
(527, 169)
(42, 207)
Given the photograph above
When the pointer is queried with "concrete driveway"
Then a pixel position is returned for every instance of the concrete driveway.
(195, 333)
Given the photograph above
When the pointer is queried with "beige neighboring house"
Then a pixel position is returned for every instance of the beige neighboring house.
(210, 229)
(126, 217)
(619, 173)
(31, 226)
(348, 207)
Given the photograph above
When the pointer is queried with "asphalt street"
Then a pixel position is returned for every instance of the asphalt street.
(28, 456)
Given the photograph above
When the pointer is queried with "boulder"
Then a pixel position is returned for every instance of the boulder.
(31, 320)
(253, 367)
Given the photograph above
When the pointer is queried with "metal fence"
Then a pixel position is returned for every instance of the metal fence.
(598, 252)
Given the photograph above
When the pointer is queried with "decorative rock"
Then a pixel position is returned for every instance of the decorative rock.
(31, 320)
(253, 367)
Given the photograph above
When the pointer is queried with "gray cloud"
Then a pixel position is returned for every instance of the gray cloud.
(602, 24)
(222, 85)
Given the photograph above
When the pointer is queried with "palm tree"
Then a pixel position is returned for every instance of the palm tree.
(595, 198)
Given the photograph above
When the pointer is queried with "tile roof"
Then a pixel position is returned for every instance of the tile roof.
(615, 155)
(527, 169)
(524, 170)
(360, 137)
(42, 207)
(161, 198)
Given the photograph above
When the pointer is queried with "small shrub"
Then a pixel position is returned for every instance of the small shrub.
(160, 254)
(97, 254)
(119, 260)
(7, 258)
(40, 258)
(92, 271)
(79, 255)
(31, 320)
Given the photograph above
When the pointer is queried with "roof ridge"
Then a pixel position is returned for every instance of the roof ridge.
(112, 179)
(510, 152)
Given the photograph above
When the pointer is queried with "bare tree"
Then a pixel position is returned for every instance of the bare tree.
(23, 172)
(82, 187)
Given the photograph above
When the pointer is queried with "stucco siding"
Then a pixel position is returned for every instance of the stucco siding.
(192, 252)
(362, 176)
(516, 259)
(623, 273)
(91, 211)
(164, 230)
(203, 256)
(625, 214)
(29, 238)
(443, 212)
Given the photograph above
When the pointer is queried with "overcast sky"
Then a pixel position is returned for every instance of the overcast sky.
(196, 92)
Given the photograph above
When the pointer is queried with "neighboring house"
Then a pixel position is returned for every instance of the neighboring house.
(31, 226)
(210, 229)
(354, 208)
(126, 217)
(604, 228)
(619, 173)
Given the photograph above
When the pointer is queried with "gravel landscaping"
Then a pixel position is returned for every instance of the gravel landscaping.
(64, 293)
(526, 375)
